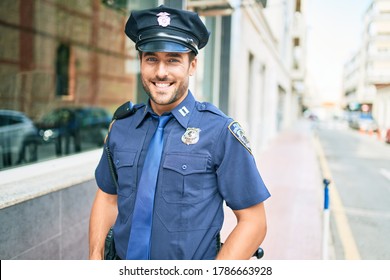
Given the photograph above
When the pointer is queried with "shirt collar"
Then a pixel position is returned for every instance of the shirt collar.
(147, 111)
(182, 112)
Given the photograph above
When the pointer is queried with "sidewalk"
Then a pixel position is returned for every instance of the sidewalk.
(291, 171)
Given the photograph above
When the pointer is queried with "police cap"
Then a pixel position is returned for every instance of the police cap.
(165, 29)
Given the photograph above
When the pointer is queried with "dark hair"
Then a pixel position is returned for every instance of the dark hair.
(192, 56)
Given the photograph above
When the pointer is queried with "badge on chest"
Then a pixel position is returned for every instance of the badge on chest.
(191, 136)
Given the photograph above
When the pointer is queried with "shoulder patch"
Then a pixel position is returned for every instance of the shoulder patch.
(238, 132)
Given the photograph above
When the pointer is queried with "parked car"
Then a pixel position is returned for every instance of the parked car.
(17, 138)
(363, 122)
(74, 125)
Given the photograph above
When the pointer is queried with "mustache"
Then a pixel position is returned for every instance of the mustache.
(159, 79)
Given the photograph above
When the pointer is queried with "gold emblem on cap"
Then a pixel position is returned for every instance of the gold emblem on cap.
(163, 19)
(191, 136)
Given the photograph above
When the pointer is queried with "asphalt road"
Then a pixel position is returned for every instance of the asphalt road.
(359, 165)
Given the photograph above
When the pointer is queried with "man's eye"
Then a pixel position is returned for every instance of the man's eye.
(173, 60)
(151, 59)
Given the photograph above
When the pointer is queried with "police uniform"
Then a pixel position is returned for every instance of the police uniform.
(206, 159)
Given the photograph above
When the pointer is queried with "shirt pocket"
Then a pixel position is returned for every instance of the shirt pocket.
(126, 170)
(187, 178)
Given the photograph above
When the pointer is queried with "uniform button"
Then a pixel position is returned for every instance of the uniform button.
(184, 166)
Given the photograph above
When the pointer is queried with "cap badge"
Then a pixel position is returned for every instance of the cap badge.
(191, 136)
(163, 19)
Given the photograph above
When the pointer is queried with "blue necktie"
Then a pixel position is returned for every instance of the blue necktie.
(141, 226)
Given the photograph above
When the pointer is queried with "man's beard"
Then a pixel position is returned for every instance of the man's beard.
(177, 94)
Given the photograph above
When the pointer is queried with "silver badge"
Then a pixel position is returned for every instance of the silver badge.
(163, 19)
(191, 136)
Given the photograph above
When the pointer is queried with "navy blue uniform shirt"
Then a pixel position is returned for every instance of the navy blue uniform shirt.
(210, 163)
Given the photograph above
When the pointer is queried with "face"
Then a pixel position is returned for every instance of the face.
(165, 78)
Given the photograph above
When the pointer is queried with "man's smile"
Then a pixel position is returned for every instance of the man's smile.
(162, 85)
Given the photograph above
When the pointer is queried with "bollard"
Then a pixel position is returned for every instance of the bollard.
(326, 220)
(326, 194)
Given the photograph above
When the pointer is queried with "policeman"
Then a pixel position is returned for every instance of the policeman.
(205, 160)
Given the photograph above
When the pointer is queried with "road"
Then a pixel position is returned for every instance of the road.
(359, 165)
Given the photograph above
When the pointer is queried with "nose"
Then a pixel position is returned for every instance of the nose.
(162, 70)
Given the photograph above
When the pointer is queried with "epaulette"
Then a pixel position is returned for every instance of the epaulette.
(125, 110)
(206, 106)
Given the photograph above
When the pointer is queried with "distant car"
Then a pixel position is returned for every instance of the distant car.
(74, 125)
(363, 122)
(17, 133)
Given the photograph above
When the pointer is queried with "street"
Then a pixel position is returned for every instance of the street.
(359, 165)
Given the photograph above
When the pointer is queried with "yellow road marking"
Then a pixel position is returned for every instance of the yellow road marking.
(351, 251)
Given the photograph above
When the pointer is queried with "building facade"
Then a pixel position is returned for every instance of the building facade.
(366, 74)
(255, 63)
(287, 20)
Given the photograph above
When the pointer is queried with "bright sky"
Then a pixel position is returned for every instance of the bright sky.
(334, 33)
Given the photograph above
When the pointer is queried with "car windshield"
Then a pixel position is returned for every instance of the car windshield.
(56, 116)
(59, 132)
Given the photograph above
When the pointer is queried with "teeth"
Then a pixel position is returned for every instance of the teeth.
(160, 85)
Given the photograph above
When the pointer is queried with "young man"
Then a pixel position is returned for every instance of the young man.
(202, 159)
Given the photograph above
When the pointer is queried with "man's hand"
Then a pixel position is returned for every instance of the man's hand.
(103, 214)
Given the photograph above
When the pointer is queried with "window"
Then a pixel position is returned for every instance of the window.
(297, 54)
(62, 75)
(62, 70)
(65, 67)
(298, 6)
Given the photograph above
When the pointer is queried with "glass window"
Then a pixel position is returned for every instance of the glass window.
(64, 69)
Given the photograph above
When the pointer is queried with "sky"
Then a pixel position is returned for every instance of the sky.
(334, 34)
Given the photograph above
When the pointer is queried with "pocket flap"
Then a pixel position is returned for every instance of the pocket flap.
(124, 158)
(186, 164)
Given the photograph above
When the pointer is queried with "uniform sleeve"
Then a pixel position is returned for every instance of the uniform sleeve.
(239, 180)
(103, 175)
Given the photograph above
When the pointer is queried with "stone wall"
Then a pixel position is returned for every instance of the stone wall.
(50, 227)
